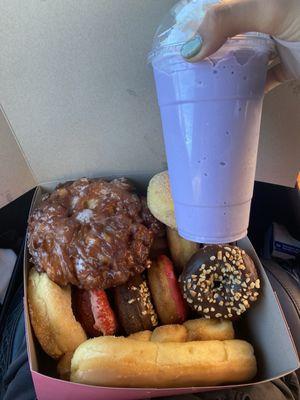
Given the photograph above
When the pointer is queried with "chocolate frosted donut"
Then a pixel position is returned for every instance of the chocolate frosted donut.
(134, 305)
(220, 282)
(92, 233)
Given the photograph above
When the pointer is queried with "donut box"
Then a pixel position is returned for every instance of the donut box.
(264, 326)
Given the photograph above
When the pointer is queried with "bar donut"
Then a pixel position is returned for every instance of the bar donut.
(220, 282)
(122, 362)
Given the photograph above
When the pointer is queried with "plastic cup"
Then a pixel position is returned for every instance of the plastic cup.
(211, 115)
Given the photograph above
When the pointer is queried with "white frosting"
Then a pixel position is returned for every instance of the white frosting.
(79, 264)
(84, 215)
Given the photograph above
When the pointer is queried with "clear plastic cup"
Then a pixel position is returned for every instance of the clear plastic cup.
(211, 115)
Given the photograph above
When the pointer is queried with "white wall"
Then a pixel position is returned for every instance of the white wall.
(76, 88)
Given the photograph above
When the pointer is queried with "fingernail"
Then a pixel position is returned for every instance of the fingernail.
(191, 48)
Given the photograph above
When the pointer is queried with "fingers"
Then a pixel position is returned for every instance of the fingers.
(224, 20)
(275, 77)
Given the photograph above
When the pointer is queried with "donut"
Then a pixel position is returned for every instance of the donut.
(105, 320)
(191, 330)
(169, 333)
(120, 362)
(220, 282)
(92, 233)
(209, 329)
(159, 199)
(82, 309)
(181, 249)
(64, 366)
(134, 306)
(93, 311)
(51, 315)
(166, 293)
(160, 246)
(143, 336)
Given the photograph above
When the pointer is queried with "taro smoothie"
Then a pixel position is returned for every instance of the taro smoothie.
(211, 114)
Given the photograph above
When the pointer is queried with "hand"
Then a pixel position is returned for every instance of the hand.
(278, 18)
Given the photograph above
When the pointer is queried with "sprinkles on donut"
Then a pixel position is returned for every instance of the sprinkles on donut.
(220, 282)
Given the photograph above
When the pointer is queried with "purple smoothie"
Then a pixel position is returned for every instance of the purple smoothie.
(211, 114)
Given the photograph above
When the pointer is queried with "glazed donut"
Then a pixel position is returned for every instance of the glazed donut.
(220, 282)
(159, 199)
(51, 315)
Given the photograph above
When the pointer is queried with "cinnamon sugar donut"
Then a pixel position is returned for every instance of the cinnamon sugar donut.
(92, 233)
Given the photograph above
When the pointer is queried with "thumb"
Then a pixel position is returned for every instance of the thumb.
(223, 20)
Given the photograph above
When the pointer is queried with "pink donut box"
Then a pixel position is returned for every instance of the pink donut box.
(259, 323)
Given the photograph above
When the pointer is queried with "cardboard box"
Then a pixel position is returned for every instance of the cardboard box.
(264, 326)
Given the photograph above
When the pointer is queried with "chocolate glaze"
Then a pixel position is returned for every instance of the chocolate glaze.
(92, 233)
(220, 282)
(134, 306)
